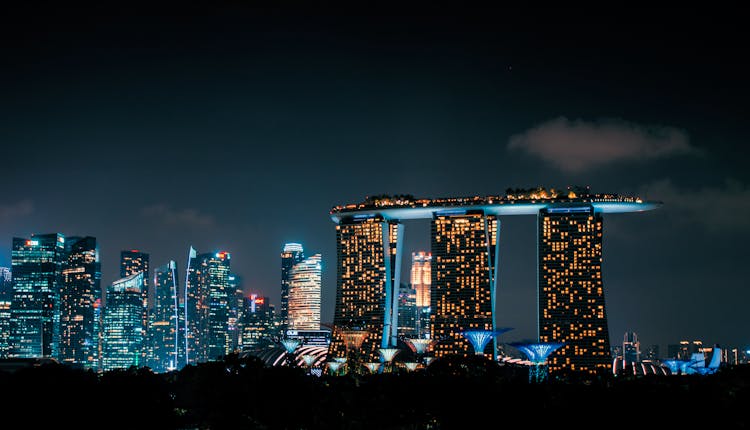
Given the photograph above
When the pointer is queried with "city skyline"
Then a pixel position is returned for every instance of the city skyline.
(245, 105)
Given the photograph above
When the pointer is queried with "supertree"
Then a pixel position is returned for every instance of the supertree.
(537, 354)
(480, 338)
(373, 367)
(334, 366)
(386, 356)
(420, 347)
(290, 345)
(353, 340)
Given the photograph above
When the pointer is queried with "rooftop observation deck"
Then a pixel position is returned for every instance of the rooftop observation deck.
(520, 202)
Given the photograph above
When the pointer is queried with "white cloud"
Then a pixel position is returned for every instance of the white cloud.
(719, 208)
(15, 210)
(182, 217)
(575, 146)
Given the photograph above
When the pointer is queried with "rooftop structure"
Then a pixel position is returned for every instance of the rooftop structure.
(523, 202)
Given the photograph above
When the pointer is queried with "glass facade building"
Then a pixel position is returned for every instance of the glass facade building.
(122, 336)
(408, 315)
(304, 294)
(208, 307)
(421, 282)
(463, 250)
(291, 254)
(367, 277)
(165, 331)
(37, 264)
(571, 291)
(79, 342)
(132, 262)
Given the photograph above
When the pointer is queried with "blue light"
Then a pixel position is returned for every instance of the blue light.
(452, 212)
(478, 339)
(537, 353)
(569, 210)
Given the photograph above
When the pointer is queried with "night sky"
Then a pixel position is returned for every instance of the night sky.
(238, 129)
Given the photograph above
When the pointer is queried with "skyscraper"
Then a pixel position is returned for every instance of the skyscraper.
(258, 322)
(122, 334)
(368, 271)
(304, 294)
(165, 331)
(631, 348)
(35, 307)
(291, 254)
(571, 292)
(209, 299)
(463, 249)
(6, 282)
(235, 310)
(6, 294)
(407, 311)
(132, 262)
(81, 288)
(421, 282)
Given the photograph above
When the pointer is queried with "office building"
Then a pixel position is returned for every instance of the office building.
(303, 311)
(631, 348)
(291, 254)
(235, 310)
(421, 282)
(209, 299)
(408, 315)
(131, 262)
(79, 342)
(165, 331)
(122, 336)
(37, 264)
(259, 323)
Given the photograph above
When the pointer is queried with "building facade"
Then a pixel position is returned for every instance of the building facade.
(631, 348)
(37, 264)
(367, 270)
(421, 282)
(79, 342)
(260, 323)
(304, 294)
(291, 254)
(122, 335)
(408, 315)
(165, 331)
(571, 291)
(131, 262)
(209, 298)
(462, 299)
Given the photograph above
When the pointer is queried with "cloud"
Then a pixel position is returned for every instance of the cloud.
(178, 217)
(22, 208)
(575, 146)
(719, 208)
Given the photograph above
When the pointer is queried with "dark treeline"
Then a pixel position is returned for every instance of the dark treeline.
(454, 393)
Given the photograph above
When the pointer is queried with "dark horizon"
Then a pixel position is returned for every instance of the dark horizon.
(236, 128)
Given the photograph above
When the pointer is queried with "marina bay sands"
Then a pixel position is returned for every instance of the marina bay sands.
(466, 267)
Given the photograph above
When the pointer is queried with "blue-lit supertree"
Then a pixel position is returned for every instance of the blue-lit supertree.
(290, 345)
(537, 354)
(480, 338)
(386, 356)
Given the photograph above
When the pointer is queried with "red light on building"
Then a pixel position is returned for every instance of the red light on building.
(260, 301)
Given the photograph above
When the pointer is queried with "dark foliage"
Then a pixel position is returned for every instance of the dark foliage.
(454, 393)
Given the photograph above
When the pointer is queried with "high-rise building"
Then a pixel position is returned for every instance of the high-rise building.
(81, 288)
(209, 299)
(4, 326)
(258, 322)
(368, 270)
(132, 262)
(291, 254)
(407, 311)
(571, 292)
(6, 282)
(122, 334)
(6, 294)
(35, 307)
(98, 331)
(631, 348)
(421, 282)
(235, 310)
(304, 294)
(421, 277)
(165, 331)
(463, 251)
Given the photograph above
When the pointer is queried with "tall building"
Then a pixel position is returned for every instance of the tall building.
(81, 288)
(421, 282)
(571, 292)
(35, 307)
(208, 306)
(235, 310)
(6, 282)
(132, 262)
(652, 353)
(258, 323)
(631, 348)
(6, 294)
(463, 250)
(122, 334)
(165, 331)
(367, 273)
(304, 294)
(291, 254)
(408, 314)
(4, 326)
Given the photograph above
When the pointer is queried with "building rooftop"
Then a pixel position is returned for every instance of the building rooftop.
(514, 202)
